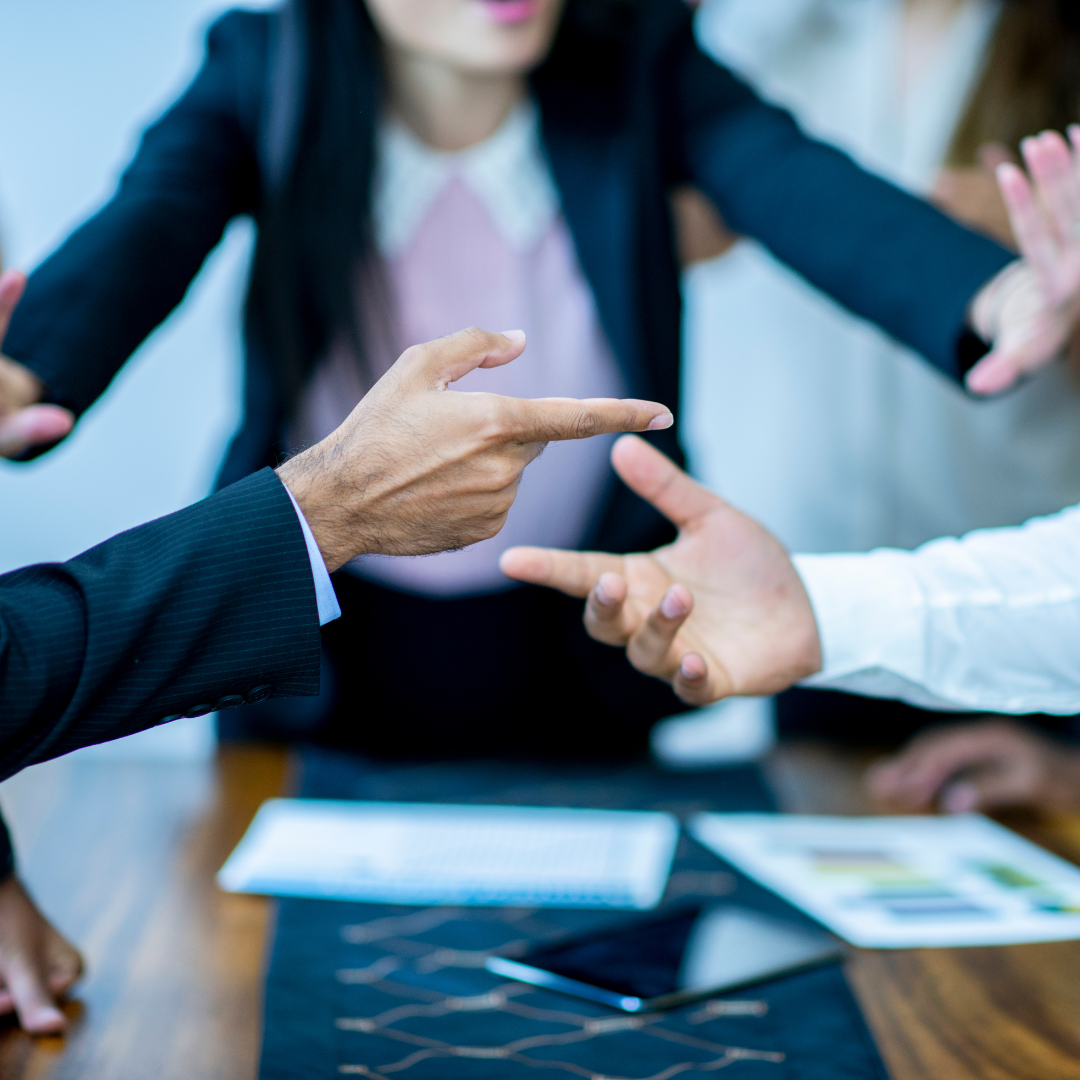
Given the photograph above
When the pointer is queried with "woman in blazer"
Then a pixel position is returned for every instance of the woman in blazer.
(311, 119)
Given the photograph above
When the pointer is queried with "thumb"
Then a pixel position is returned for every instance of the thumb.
(656, 478)
(987, 790)
(436, 364)
(12, 284)
(34, 1004)
(36, 425)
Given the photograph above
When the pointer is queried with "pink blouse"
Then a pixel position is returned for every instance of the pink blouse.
(477, 238)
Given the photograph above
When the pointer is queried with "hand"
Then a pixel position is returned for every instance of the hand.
(719, 612)
(1030, 310)
(37, 966)
(979, 766)
(417, 468)
(23, 423)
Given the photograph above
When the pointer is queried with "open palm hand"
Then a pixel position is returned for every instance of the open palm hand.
(719, 612)
(1032, 308)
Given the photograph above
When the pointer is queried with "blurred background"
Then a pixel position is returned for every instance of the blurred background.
(79, 81)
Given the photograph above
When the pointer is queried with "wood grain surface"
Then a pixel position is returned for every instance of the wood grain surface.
(1004, 1013)
(123, 857)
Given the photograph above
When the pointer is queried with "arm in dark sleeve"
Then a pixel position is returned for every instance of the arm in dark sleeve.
(92, 303)
(882, 253)
(205, 609)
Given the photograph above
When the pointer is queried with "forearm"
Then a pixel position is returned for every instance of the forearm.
(885, 255)
(990, 622)
(90, 305)
(209, 608)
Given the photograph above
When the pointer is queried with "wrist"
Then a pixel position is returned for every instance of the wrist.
(309, 481)
(985, 311)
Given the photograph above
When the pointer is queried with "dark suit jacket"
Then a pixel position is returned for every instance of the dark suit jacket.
(615, 152)
(207, 609)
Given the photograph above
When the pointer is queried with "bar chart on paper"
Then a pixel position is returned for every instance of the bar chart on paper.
(905, 882)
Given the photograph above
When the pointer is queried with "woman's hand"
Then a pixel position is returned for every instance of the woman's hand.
(986, 765)
(1030, 310)
(23, 423)
(37, 965)
(720, 612)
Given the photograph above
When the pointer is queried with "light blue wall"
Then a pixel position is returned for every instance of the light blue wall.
(78, 80)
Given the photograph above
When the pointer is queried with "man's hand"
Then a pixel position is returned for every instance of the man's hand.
(1030, 310)
(418, 468)
(720, 612)
(37, 966)
(23, 423)
(985, 765)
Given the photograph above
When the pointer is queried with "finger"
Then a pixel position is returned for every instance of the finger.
(691, 682)
(557, 419)
(652, 648)
(34, 1004)
(995, 372)
(436, 364)
(922, 770)
(607, 618)
(575, 573)
(36, 425)
(1034, 236)
(986, 790)
(658, 479)
(12, 284)
(1051, 166)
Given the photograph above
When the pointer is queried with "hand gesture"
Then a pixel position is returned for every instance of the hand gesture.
(418, 468)
(984, 765)
(719, 612)
(23, 423)
(1030, 310)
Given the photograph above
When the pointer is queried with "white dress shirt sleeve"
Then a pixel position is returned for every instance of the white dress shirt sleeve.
(989, 622)
(329, 609)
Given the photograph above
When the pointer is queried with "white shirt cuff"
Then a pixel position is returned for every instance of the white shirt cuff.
(871, 617)
(325, 597)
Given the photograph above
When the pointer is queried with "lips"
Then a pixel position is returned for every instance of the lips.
(510, 11)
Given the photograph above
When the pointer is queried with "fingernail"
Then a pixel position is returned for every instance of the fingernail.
(659, 423)
(686, 670)
(514, 335)
(603, 595)
(671, 606)
(959, 799)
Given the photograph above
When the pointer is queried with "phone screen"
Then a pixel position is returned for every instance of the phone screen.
(668, 959)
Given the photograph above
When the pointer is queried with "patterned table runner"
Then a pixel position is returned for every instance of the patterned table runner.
(400, 993)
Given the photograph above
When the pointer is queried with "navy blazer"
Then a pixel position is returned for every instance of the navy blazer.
(615, 152)
(206, 609)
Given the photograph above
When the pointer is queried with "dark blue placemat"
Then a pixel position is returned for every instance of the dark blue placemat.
(384, 991)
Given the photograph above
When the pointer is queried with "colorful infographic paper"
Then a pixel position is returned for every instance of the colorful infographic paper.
(424, 853)
(905, 882)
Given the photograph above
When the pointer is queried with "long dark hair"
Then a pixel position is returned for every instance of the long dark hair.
(315, 226)
(1031, 79)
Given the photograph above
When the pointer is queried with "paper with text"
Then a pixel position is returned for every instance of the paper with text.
(905, 882)
(422, 853)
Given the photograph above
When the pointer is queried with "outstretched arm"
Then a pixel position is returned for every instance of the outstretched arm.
(989, 622)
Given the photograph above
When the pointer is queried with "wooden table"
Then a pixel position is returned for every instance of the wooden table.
(123, 855)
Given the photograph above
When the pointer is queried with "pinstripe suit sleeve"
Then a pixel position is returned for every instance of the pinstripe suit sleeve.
(208, 608)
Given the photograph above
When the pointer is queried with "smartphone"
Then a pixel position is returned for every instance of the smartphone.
(668, 959)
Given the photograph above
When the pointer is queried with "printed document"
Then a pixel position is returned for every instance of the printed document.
(905, 882)
(423, 853)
